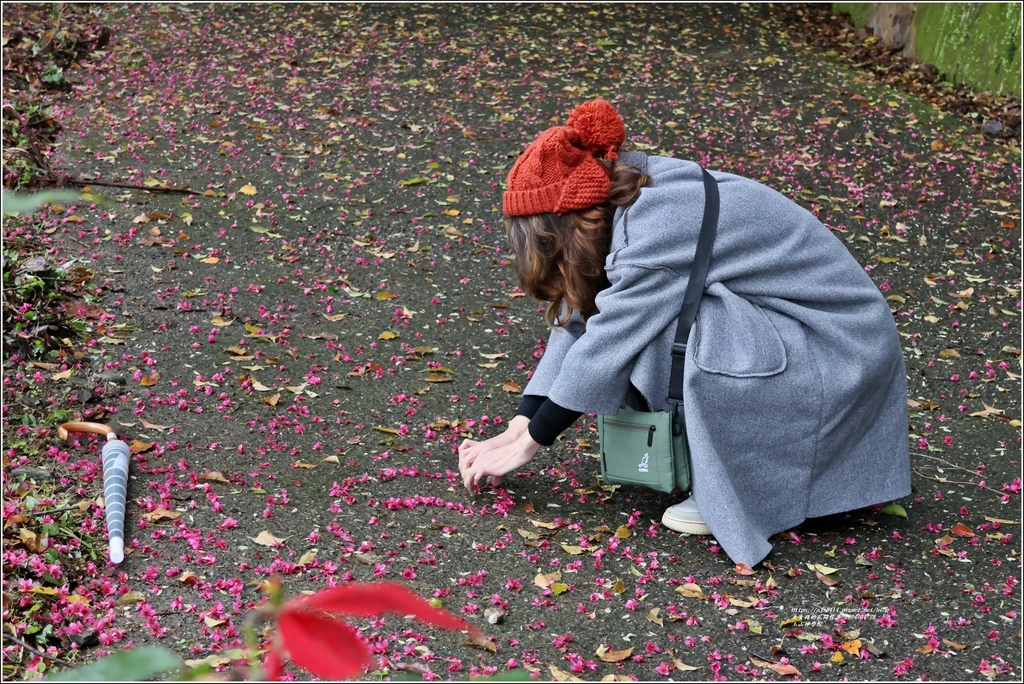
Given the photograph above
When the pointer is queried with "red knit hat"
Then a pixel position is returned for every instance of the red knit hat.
(560, 172)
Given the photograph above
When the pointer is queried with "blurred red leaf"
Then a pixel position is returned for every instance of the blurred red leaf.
(375, 598)
(323, 645)
(313, 635)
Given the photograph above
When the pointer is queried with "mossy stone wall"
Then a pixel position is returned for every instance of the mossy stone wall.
(973, 43)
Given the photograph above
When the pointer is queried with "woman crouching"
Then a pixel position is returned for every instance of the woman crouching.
(794, 384)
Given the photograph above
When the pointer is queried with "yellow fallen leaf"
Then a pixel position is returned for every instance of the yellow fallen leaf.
(130, 598)
(954, 644)
(691, 590)
(160, 514)
(247, 190)
(34, 542)
(780, 668)
(153, 426)
(1002, 521)
(219, 658)
(826, 580)
(613, 656)
(753, 626)
(265, 538)
(138, 447)
(482, 643)
(544, 581)
(739, 603)
(563, 676)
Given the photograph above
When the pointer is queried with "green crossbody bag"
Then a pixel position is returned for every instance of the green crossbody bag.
(644, 448)
(649, 448)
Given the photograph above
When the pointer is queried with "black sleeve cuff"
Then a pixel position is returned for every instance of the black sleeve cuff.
(529, 405)
(549, 421)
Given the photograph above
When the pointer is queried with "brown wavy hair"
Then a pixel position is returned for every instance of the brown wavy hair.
(560, 259)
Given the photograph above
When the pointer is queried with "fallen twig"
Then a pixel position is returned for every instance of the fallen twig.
(944, 480)
(41, 654)
(127, 186)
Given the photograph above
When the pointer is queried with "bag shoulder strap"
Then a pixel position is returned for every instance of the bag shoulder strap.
(695, 287)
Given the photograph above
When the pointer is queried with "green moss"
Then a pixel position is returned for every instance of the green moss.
(977, 44)
(973, 43)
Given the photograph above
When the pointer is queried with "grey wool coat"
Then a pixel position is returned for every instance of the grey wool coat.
(795, 389)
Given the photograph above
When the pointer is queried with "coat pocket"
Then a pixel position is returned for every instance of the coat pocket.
(736, 338)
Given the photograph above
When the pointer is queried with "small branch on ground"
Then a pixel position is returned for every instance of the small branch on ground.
(36, 651)
(128, 186)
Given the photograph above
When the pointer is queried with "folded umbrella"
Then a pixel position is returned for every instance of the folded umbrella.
(115, 481)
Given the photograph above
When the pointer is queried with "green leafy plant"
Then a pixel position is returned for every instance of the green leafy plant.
(310, 631)
(133, 665)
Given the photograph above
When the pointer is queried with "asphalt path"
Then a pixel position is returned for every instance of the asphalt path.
(305, 340)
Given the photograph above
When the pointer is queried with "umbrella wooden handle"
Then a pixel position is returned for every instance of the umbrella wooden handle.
(97, 428)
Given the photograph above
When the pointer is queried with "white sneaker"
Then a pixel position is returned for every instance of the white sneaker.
(685, 517)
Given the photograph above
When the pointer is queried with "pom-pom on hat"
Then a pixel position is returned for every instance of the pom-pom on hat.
(560, 172)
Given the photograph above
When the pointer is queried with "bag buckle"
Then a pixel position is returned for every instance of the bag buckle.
(679, 349)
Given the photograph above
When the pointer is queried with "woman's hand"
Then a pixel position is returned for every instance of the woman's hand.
(470, 449)
(492, 459)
